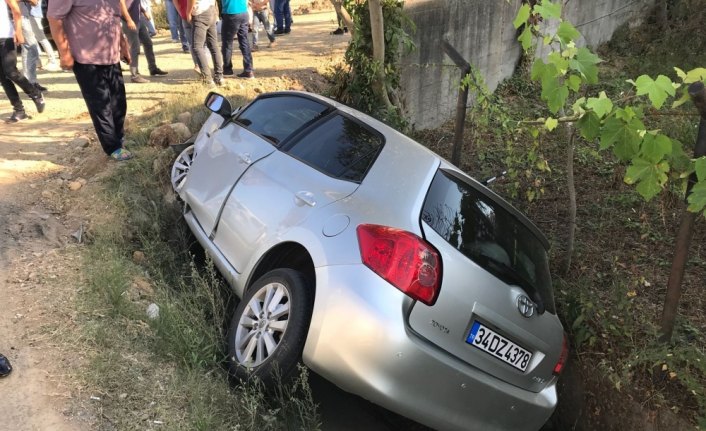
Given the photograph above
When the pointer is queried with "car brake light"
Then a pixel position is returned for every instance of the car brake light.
(402, 258)
(559, 367)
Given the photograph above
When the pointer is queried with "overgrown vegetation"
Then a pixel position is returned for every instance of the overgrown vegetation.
(610, 299)
(353, 82)
(167, 370)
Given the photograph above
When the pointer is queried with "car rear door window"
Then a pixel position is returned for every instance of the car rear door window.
(276, 118)
(488, 233)
(339, 147)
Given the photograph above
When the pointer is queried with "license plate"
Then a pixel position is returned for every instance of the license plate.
(498, 346)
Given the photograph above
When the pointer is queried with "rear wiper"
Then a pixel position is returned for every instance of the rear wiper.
(510, 274)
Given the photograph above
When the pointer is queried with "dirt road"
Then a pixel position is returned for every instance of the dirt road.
(39, 258)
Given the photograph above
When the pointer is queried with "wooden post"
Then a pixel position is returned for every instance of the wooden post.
(683, 240)
(460, 102)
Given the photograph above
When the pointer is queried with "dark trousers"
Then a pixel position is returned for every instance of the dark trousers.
(141, 36)
(9, 75)
(204, 31)
(283, 15)
(103, 90)
(231, 26)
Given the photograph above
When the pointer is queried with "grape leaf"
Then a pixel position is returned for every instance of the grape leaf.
(655, 147)
(548, 10)
(697, 197)
(585, 63)
(601, 105)
(700, 167)
(648, 176)
(589, 126)
(525, 38)
(567, 32)
(522, 16)
(622, 136)
(551, 123)
(656, 89)
(554, 93)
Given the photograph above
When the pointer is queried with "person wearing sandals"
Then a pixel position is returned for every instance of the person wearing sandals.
(94, 56)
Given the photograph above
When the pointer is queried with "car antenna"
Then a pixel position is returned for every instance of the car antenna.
(489, 180)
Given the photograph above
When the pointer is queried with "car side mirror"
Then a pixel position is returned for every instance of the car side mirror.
(218, 104)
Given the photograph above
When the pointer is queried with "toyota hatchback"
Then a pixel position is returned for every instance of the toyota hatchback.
(375, 262)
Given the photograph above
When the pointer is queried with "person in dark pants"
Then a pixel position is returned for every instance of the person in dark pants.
(202, 15)
(94, 51)
(140, 14)
(236, 22)
(283, 17)
(10, 36)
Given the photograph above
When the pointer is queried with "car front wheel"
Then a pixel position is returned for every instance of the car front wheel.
(269, 327)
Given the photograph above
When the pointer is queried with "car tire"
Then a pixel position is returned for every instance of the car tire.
(267, 342)
(181, 167)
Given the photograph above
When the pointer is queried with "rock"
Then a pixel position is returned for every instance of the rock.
(153, 311)
(163, 136)
(184, 118)
(82, 181)
(139, 257)
(122, 396)
(258, 90)
(182, 131)
(46, 194)
(80, 142)
(143, 287)
(75, 185)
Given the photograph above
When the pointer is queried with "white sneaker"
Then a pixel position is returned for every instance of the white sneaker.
(52, 67)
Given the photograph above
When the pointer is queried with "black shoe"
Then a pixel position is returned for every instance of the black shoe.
(158, 71)
(38, 102)
(278, 31)
(18, 116)
(338, 31)
(5, 367)
(287, 30)
(246, 75)
(40, 87)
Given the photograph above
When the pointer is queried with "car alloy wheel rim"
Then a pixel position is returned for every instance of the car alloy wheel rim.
(262, 325)
(181, 167)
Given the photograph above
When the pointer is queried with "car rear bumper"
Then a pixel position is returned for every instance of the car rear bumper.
(360, 341)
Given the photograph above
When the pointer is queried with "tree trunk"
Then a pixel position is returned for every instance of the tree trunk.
(571, 186)
(377, 26)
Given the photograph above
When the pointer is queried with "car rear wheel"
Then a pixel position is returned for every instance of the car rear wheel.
(181, 167)
(269, 327)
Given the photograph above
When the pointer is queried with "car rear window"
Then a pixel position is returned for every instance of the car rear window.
(277, 118)
(339, 147)
(488, 233)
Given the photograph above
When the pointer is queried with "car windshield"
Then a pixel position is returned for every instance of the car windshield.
(492, 236)
(277, 118)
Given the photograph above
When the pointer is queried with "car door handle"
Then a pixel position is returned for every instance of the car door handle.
(244, 158)
(306, 197)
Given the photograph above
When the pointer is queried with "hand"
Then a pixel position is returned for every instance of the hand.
(188, 17)
(125, 50)
(19, 38)
(66, 61)
(131, 25)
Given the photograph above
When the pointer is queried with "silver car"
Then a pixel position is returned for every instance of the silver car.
(375, 262)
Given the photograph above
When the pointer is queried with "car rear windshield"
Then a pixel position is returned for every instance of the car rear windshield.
(279, 117)
(488, 233)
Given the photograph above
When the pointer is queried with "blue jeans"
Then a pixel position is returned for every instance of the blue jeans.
(30, 51)
(175, 26)
(283, 15)
(262, 16)
(203, 30)
(231, 26)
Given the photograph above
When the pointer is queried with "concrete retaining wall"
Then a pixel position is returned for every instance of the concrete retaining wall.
(482, 31)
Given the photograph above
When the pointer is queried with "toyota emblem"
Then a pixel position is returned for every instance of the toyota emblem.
(525, 306)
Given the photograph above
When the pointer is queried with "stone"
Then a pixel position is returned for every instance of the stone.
(184, 118)
(46, 194)
(182, 131)
(163, 136)
(75, 185)
(153, 311)
(139, 257)
(80, 142)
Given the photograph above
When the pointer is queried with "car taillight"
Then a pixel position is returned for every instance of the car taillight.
(559, 367)
(402, 258)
